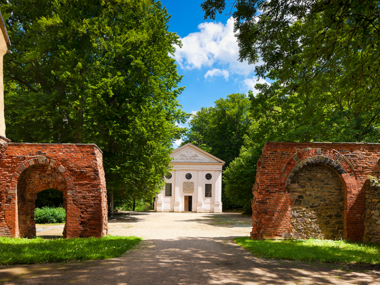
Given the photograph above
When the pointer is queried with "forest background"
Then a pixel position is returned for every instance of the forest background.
(103, 72)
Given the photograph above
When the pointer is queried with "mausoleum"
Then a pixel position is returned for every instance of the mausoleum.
(194, 183)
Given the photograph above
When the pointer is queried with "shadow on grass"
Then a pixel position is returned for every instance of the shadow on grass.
(314, 250)
(38, 250)
(188, 261)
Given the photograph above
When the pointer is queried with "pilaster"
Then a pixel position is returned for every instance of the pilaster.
(200, 191)
(176, 191)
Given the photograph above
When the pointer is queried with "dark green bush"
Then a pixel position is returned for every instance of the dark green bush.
(48, 215)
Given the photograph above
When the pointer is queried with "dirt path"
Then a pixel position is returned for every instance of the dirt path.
(183, 249)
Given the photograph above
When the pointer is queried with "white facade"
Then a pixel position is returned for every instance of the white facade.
(195, 182)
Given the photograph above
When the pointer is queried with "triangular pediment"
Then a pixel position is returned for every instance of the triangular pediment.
(191, 153)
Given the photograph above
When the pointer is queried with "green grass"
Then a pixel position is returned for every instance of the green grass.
(313, 250)
(38, 250)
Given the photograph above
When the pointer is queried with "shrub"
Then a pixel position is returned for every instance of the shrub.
(48, 215)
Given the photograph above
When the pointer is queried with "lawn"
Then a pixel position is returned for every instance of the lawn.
(313, 250)
(38, 250)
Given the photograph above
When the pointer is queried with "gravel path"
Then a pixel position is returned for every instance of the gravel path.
(183, 248)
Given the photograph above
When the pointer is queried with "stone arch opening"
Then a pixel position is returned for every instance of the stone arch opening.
(34, 179)
(317, 206)
(52, 199)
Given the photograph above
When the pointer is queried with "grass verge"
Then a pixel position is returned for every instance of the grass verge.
(313, 250)
(38, 250)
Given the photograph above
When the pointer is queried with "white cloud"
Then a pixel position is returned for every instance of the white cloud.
(178, 142)
(193, 113)
(217, 72)
(215, 43)
(251, 82)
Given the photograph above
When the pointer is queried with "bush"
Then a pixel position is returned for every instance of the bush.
(48, 215)
(143, 207)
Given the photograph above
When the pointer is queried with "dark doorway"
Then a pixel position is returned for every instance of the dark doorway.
(188, 203)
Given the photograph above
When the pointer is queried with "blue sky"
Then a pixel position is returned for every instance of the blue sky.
(208, 59)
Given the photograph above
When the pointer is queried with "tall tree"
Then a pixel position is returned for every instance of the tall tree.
(324, 52)
(96, 72)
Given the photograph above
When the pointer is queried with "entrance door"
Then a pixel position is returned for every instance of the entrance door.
(188, 203)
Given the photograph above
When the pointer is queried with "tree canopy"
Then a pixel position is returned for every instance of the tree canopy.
(96, 72)
(220, 129)
(323, 54)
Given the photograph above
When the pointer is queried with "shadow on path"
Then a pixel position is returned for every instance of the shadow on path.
(185, 261)
(127, 217)
(224, 220)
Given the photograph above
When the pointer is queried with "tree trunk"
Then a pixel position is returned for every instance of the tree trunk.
(134, 204)
(111, 205)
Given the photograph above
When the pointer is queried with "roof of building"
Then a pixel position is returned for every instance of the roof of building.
(197, 149)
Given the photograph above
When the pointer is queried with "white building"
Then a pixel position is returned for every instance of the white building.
(194, 184)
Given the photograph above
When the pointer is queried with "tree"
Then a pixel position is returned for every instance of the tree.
(220, 130)
(324, 52)
(309, 44)
(96, 72)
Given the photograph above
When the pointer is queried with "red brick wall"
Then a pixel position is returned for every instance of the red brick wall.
(76, 169)
(281, 161)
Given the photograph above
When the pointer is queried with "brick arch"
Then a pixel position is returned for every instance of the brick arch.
(42, 160)
(323, 156)
(66, 187)
(327, 157)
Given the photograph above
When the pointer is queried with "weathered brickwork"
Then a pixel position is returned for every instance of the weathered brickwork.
(76, 170)
(276, 195)
(372, 216)
(318, 208)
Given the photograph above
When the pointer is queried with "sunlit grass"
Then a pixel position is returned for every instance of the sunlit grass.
(313, 250)
(38, 250)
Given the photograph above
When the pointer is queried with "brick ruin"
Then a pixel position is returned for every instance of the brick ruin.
(76, 170)
(319, 190)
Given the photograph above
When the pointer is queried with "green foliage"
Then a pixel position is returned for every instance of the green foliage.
(315, 117)
(96, 72)
(240, 176)
(48, 215)
(312, 45)
(323, 57)
(29, 251)
(49, 198)
(144, 207)
(313, 250)
(220, 130)
(140, 205)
